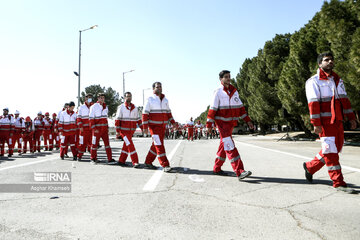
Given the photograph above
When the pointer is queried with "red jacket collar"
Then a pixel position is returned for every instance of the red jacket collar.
(325, 76)
(129, 106)
(161, 96)
(230, 90)
(103, 105)
(68, 112)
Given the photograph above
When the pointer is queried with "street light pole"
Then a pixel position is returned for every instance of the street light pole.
(78, 74)
(124, 80)
(143, 96)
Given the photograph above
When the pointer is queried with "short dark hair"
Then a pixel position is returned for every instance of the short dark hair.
(127, 93)
(100, 94)
(153, 86)
(66, 104)
(324, 54)
(71, 104)
(223, 72)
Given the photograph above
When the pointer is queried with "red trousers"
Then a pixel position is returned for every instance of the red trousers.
(48, 139)
(95, 142)
(65, 141)
(84, 142)
(37, 140)
(227, 149)
(128, 149)
(191, 134)
(157, 148)
(332, 141)
(28, 138)
(16, 138)
(5, 138)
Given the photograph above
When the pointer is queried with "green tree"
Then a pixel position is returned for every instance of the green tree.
(112, 98)
(203, 116)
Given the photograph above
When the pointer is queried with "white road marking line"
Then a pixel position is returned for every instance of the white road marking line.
(294, 155)
(27, 164)
(155, 179)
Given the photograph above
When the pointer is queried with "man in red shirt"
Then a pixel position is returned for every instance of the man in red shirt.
(83, 123)
(328, 106)
(156, 115)
(67, 129)
(225, 110)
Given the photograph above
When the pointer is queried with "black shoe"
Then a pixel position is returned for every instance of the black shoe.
(75, 158)
(38, 150)
(308, 175)
(10, 155)
(244, 174)
(66, 156)
(150, 166)
(62, 157)
(136, 165)
(111, 161)
(122, 164)
(1, 155)
(167, 169)
(79, 159)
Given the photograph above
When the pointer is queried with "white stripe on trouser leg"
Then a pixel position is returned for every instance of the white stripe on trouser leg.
(132, 152)
(153, 152)
(221, 158)
(320, 158)
(235, 158)
(332, 168)
(122, 151)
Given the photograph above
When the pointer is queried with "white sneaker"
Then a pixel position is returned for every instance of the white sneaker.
(167, 169)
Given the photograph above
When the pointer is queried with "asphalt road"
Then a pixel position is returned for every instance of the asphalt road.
(113, 202)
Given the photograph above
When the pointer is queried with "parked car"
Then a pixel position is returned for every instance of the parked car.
(138, 133)
(239, 129)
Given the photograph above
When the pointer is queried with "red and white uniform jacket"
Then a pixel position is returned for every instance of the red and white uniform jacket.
(67, 123)
(190, 124)
(47, 123)
(39, 124)
(327, 99)
(83, 117)
(98, 117)
(127, 118)
(226, 108)
(157, 112)
(6, 124)
(19, 125)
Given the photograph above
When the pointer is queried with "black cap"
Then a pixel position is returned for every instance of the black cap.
(71, 104)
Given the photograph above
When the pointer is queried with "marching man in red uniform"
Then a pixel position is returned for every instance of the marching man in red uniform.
(6, 132)
(328, 105)
(67, 129)
(126, 121)
(156, 115)
(39, 128)
(225, 110)
(83, 123)
(190, 126)
(47, 132)
(28, 135)
(99, 125)
(19, 127)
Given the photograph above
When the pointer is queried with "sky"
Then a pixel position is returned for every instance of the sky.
(183, 44)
